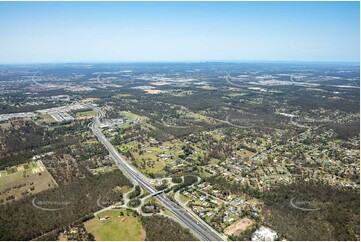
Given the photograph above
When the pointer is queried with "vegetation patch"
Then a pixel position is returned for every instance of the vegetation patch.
(155, 227)
(177, 179)
(134, 193)
(134, 203)
(188, 180)
(334, 215)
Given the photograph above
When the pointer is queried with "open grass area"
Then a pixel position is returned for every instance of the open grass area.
(217, 137)
(207, 87)
(157, 169)
(238, 227)
(181, 93)
(85, 114)
(116, 227)
(133, 115)
(166, 212)
(103, 169)
(9, 178)
(45, 119)
(195, 116)
(149, 154)
(183, 198)
(5, 124)
(245, 153)
(214, 161)
(121, 95)
(123, 189)
(204, 174)
(236, 94)
(25, 179)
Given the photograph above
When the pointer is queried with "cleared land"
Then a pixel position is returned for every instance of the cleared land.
(238, 227)
(153, 91)
(19, 181)
(153, 160)
(85, 114)
(115, 227)
(159, 83)
(45, 119)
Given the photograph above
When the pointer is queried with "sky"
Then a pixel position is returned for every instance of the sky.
(51, 32)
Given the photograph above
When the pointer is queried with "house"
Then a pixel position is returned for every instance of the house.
(228, 219)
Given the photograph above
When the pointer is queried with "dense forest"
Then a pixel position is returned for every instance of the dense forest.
(155, 227)
(336, 215)
(24, 139)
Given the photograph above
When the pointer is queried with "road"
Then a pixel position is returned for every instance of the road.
(215, 119)
(202, 232)
(176, 197)
(234, 125)
(233, 84)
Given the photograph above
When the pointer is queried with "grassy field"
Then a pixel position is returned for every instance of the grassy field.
(183, 198)
(181, 93)
(5, 125)
(113, 228)
(195, 116)
(158, 165)
(236, 94)
(32, 177)
(245, 153)
(204, 174)
(85, 114)
(121, 95)
(214, 161)
(124, 189)
(103, 169)
(166, 212)
(239, 227)
(207, 88)
(133, 115)
(45, 119)
(217, 137)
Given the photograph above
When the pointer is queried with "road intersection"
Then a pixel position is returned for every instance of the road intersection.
(197, 228)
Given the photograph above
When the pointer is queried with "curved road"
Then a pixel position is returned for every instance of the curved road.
(202, 232)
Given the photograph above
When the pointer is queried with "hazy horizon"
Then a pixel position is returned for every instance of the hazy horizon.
(184, 62)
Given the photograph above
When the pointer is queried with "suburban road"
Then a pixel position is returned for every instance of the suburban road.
(198, 229)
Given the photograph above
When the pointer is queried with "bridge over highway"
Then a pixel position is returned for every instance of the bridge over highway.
(197, 227)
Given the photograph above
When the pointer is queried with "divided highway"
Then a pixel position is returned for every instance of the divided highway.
(200, 230)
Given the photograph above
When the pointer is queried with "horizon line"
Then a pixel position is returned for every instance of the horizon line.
(179, 61)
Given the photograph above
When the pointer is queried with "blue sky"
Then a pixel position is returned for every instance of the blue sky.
(38, 32)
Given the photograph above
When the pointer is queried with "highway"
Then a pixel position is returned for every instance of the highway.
(198, 229)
